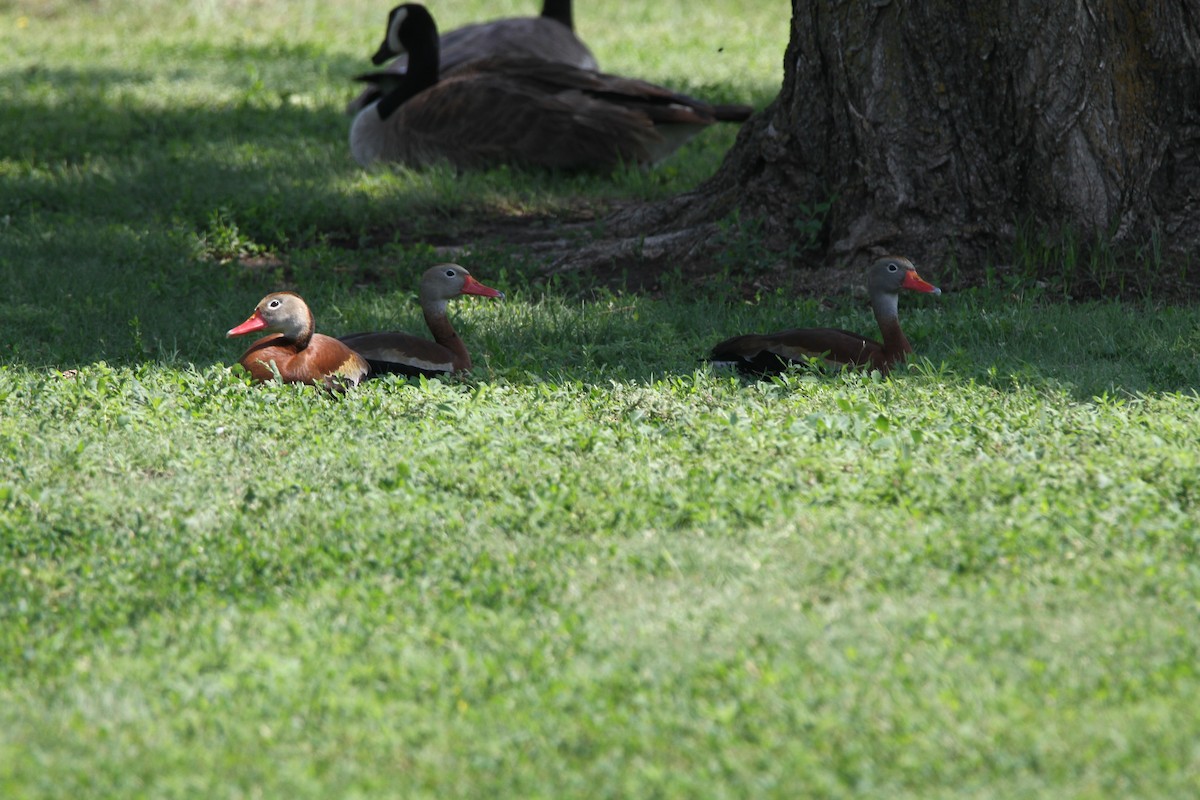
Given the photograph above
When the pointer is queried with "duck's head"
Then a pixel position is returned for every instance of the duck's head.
(447, 281)
(285, 313)
(890, 274)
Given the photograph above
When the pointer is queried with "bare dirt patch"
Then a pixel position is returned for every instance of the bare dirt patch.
(580, 241)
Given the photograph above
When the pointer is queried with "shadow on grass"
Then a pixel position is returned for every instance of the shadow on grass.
(1080, 351)
(120, 183)
(113, 193)
(97, 151)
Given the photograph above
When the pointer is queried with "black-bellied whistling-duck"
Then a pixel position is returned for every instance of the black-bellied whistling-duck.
(520, 111)
(405, 354)
(297, 353)
(550, 37)
(761, 354)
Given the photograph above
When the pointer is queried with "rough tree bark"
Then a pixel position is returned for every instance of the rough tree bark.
(939, 126)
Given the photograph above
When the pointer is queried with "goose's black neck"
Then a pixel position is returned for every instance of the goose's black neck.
(559, 11)
(424, 51)
(423, 55)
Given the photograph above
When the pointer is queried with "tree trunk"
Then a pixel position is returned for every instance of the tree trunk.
(940, 128)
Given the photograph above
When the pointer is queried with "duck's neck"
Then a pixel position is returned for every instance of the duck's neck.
(444, 334)
(886, 307)
(559, 11)
(298, 330)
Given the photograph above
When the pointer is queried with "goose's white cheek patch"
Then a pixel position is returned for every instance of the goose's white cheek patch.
(393, 37)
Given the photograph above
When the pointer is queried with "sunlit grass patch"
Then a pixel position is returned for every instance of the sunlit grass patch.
(595, 566)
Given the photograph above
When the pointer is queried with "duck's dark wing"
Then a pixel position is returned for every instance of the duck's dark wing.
(401, 353)
(771, 353)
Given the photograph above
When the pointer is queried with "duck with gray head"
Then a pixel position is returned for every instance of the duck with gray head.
(292, 350)
(405, 354)
(765, 354)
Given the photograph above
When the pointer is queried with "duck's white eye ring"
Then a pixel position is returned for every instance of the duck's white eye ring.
(276, 303)
(892, 267)
(451, 273)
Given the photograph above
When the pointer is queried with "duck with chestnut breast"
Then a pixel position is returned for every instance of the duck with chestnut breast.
(293, 349)
(526, 112)
(765, 354)
(405, 354)
(549, 37)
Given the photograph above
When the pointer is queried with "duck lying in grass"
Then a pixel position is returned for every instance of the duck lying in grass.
(764, 354)
(405, 354)
(293, 352)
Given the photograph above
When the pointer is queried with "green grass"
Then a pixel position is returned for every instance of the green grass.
(594, 567)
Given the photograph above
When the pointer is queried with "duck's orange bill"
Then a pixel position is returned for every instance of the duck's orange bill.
(913, 281)
(472, 286)
(255, 323)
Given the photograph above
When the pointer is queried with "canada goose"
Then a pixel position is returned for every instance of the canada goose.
(550, 37)
(517, 110)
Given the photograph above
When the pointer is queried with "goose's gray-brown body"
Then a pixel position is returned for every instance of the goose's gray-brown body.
(549, 37)
(519, 111)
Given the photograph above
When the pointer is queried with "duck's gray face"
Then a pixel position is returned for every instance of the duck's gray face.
(281, 312)
(891, 274)
(447, 281)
